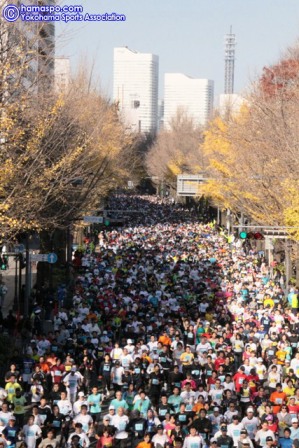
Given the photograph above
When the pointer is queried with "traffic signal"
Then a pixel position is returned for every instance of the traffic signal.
(107, 222)
(251, 235)
(258, 236)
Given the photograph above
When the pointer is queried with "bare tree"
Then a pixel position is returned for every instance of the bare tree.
(177, 150)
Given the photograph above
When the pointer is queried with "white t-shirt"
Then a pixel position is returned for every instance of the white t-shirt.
(234, 431)
(86, 420)
(193, 442)
(261, 436)
(120, 423)
(159, 439)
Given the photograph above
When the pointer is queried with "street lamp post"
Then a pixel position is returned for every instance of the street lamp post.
(15, 305)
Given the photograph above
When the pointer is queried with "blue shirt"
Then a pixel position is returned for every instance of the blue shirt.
(96, 400)
(284, 442)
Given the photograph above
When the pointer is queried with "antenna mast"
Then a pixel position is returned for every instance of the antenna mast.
(229, 58)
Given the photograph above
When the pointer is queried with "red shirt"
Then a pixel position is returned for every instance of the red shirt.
(238, 379)
(219, 362)
(57, 372)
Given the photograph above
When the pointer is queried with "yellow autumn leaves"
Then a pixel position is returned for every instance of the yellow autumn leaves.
(59, 151)
(252, 156)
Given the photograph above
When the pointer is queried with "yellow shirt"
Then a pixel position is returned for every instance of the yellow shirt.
(281, 356)
(289, 391)
(11, 390)
(186, 358)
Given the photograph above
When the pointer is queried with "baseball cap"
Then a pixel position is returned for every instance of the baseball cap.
(223, 427)
(269, 439)
(243, 431)
(216, 409)
(111, 407)
(250, 410)
(81, 394)
(12, 417)
(160, 427)
(294, 420)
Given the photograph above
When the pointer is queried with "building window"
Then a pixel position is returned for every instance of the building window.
(135, 104)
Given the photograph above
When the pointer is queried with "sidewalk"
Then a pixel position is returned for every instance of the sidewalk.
(8, 277)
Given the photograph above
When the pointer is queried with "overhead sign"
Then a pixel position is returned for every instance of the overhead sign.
(38, 257)
(93, 219)
(189, 184)
(48, 258)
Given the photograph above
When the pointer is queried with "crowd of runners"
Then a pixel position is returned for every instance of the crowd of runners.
(176, 337)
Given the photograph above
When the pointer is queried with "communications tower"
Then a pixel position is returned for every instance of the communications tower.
(229, 58)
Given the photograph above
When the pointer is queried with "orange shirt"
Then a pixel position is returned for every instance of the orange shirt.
(277, 398)
(51, 360)
(164, 340)
(144, 445)
(197, 407)
(44, 366)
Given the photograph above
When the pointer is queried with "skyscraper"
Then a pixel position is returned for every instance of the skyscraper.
(62, 74)
(192, 96)
(28, 48)
(135, 88)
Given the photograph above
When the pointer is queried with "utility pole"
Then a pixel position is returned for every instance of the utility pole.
(15, 304)
(288, 263)
(27, 278)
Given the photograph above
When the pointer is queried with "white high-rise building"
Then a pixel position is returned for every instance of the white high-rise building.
(135, 88)
(62, 74)
(190, 95)
(230, 103)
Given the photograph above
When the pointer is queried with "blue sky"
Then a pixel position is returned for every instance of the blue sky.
(187, 35)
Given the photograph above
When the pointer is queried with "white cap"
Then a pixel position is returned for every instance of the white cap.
(250, 410)
(294, 420)
(81, 394)
(259, 359)
(129, 341)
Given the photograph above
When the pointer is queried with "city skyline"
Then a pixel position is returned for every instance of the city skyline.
(189, 38)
